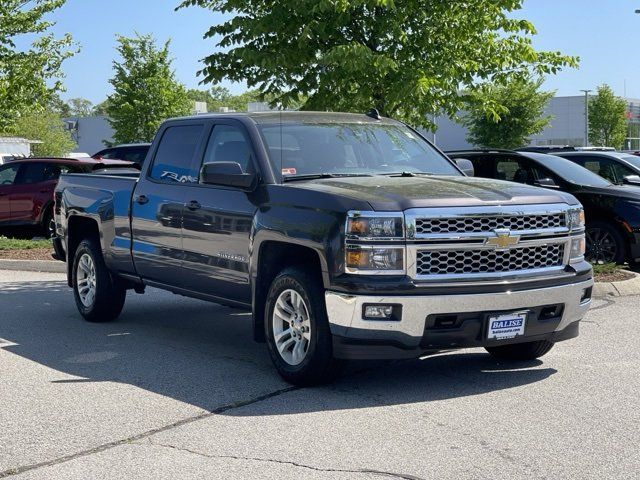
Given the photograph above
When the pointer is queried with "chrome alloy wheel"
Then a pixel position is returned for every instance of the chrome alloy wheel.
(86, 280)
(291, 327)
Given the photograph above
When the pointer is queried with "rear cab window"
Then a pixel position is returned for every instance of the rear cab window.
(173, 160)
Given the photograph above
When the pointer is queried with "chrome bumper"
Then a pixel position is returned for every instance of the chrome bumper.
(345, 311)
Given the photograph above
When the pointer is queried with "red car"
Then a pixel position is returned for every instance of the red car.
(27, 185)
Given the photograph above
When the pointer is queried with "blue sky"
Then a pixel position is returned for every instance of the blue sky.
(604, 34)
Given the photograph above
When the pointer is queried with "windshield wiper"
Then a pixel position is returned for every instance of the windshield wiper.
(315, 176)
(404, 174)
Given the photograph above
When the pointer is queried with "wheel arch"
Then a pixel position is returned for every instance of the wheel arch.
(272, 257)
(79, 228)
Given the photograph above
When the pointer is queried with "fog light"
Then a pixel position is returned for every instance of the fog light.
(381, 312)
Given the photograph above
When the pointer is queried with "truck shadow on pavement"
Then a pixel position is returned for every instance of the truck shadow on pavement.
(203, 354)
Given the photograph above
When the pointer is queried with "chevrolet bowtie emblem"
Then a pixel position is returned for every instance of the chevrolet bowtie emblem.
(503, 240)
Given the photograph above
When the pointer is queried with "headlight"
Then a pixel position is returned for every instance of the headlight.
(576, 219)
(372, 259)
(578, 248)
(370, 225)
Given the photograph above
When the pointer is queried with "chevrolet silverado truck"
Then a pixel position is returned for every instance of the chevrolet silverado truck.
(347, 236)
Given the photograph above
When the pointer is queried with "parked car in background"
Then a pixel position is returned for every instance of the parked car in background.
(6, 158)
(348, 236)
(27, 186)
(612, 211)
(632, 152)
(617, 167)
(133, 152)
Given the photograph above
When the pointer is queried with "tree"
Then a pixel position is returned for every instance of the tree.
(101, 108)
(607, 119)
(48, 128)
(409, 59)
(80, 107)
(29, 78)
(519, 109)
(146, 91)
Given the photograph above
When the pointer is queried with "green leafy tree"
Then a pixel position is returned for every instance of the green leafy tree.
(101, 108)
(146, 91)
(29, 78)
(48, 128)
(409, 59)
(80, 107)
(607, 119)
(59, 106)
(518, 113)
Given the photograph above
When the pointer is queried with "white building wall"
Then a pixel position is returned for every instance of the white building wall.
(566, 126)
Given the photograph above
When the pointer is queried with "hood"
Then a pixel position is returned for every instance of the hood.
(628, 192)
(401, 193)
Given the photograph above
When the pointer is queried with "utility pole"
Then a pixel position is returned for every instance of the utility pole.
(586, 117)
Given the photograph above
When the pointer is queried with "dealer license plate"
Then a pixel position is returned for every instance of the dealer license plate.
(508, 325)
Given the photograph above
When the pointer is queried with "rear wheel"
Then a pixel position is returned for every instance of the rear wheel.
(48, 225)
(605, 244)
(98, 296)
(521, 351)
(297, 328)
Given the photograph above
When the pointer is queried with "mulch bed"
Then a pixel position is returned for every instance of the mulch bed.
(32, 254)
(616, 276)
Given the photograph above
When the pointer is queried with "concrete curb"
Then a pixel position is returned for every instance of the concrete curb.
(623, 288)
(47, 266)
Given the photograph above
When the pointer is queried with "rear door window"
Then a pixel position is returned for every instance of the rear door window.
(8, 174)
(31, 173)
(173, 161)
(514, 170)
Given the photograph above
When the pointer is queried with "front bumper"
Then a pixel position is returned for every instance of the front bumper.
(441, 322)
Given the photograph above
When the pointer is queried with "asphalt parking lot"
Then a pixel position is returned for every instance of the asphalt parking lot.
(177, 389)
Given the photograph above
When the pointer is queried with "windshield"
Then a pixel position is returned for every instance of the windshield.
(297, 149)
(572, 172)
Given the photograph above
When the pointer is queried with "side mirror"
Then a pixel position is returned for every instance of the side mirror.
(546, 183)
(631, 180)
(227, 174)
(466, 166)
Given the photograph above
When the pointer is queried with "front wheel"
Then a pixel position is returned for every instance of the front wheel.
(297, 328)
(98, 297)
(521, 351)
(605, 244)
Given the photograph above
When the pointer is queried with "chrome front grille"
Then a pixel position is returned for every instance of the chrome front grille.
(461, 262)
(480, 224)
(487, 244)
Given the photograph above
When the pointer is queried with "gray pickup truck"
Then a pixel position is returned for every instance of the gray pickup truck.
(348, 237)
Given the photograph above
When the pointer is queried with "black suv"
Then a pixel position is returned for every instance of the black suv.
(612, 211)
(133, 152)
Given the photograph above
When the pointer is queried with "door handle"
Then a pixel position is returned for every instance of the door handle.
(141, 199)
(194, 205)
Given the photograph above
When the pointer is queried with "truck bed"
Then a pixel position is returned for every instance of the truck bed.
(106, 198)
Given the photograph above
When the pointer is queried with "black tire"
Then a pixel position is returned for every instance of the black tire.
(48, 225)
(605, 244)
(109, 294)
(318, 365)
(521, 351)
